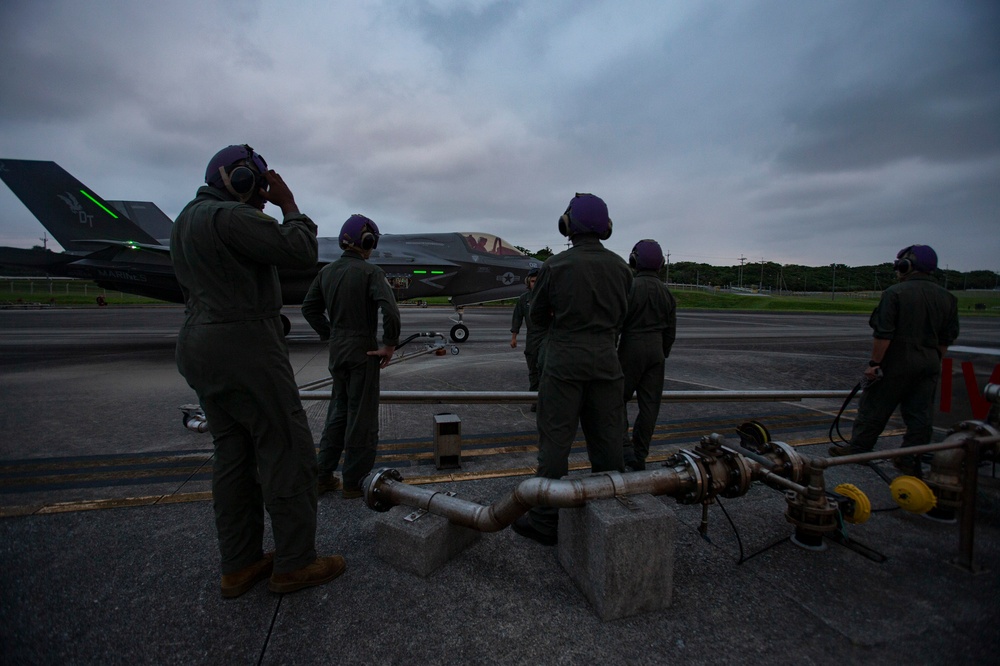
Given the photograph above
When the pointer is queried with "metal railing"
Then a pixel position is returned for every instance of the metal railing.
(527, 397)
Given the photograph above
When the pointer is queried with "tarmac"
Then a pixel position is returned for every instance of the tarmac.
(109, 555)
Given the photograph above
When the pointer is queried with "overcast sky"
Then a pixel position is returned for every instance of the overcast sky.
(795, 131)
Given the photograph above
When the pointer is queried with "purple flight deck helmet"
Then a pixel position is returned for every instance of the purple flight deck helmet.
(239, 170)
(920, 258)
(646, 256)
(359, 231)
(586, 214)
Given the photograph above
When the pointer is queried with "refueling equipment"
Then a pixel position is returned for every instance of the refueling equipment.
(719, 468)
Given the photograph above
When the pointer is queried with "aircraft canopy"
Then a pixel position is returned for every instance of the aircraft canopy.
(483, 243)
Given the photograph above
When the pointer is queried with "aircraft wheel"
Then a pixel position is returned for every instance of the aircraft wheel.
(286, 324)
(459, 333)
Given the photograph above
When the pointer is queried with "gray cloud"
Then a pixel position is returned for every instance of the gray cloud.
(770, 128)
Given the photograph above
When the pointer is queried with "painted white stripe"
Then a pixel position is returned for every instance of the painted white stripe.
(974, 350)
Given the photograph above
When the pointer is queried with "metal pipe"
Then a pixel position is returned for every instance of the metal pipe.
(966, 534)
(196, 422)
(948, 443)
(527, 397)
(772, 479)
(763, 461)
(384, 489)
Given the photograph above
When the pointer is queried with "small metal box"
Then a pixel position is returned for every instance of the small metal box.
(447, 441)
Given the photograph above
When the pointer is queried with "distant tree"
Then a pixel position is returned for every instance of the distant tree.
(543, 254)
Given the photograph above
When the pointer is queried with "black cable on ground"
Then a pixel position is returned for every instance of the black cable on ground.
(765, 549)
(836, 419)
(736, 532)
(274, 618)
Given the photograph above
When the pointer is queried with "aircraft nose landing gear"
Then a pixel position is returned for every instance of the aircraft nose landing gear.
(459, 332)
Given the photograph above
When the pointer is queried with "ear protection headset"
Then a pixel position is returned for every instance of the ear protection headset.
(646, 256)
(359, 231)
(369, 241)
(904, 263)
(244, 179)
(921, 258)
(570, 224)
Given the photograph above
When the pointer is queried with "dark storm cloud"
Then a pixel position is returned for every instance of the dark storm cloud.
(722, 128)
(935, 97)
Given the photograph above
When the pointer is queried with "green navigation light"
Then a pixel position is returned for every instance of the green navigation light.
(420, 272)
(437, 272)
(84, 193)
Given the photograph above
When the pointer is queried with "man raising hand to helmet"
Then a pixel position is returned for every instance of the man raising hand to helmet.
(231, 350)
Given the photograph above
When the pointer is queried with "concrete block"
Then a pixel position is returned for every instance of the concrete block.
(620, 554)
(419, 546)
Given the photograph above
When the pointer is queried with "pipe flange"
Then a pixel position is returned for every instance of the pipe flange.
(700, 474)
(811, 517)
(371, 487)
(977, 428)
(740, 474)
(794, 464)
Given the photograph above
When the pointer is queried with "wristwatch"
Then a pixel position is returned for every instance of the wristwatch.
(874, 364)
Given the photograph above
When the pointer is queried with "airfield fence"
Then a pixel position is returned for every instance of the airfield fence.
(769, 291)
(42, 291)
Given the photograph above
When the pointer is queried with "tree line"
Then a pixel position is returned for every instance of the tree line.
(794, 277)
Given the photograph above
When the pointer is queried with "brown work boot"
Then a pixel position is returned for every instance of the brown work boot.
(353, 493)
(327, 483)
(323, 570)
(235, 584)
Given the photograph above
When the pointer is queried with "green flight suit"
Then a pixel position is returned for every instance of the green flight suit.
(647, 336)
(232, 352)
(534, 338)
(352, 291)
(919, 317)
(581, 297)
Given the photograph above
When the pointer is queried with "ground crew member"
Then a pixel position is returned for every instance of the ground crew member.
(581, 298)
(352, 292)
(913, 325)
(535, 335)
(646, 338)
(231, 350)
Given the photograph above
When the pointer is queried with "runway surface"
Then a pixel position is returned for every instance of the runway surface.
(91, 420)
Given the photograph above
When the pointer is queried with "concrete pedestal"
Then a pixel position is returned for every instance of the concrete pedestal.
(419, 546)
(620, 554)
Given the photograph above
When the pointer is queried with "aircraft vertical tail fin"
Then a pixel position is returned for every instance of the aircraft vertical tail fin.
(71, 212)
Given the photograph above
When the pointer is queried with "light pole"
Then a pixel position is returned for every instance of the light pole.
(833, 288)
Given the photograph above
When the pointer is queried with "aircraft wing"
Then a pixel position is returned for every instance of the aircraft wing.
(488, 296)
(40, 259)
